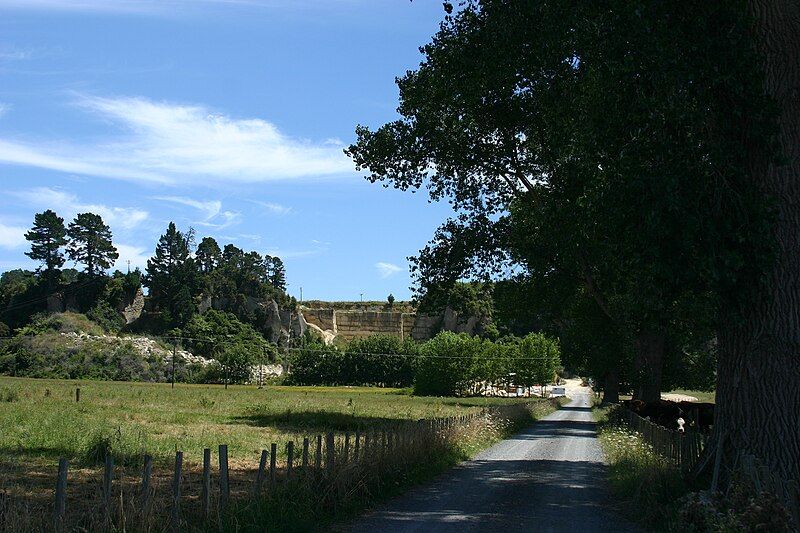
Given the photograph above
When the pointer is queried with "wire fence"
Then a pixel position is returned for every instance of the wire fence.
(202, 493)
(691, 450)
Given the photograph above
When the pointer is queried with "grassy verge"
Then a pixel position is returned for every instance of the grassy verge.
(649, 487)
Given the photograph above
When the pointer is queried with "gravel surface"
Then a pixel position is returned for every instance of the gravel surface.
(550, 477)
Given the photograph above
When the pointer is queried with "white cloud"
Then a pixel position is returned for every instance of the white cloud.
(12, 53)
(4, 108)
(12, 236)
(68, 205)
(137, 256)
(210, 208)
(229, 218)
(276, 209)
(386, 270)
(180, 144)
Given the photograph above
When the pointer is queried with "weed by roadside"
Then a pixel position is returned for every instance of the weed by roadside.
(650, 487)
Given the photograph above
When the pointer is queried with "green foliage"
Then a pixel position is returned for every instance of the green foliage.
(235, 358)
(445, 366)
(60, 323)
(592, 148)
(51, 355)
(47, 237)
(204, 334)
(106, 317)
(172, 278)
(90, 243)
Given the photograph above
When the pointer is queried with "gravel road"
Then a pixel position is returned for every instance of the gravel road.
(550, 477)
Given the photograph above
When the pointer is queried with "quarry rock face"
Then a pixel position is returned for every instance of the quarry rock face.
(344, 322)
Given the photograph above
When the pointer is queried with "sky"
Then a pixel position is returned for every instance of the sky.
(227, 116)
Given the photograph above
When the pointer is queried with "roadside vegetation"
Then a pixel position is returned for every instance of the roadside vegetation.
(648, 486)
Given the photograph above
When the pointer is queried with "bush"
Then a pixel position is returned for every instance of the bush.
(106, 317)
(316, 364)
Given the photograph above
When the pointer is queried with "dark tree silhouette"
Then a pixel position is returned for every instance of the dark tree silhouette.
(47, 236)
(90, 243)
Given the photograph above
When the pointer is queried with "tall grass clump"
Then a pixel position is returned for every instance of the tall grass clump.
(649, 485)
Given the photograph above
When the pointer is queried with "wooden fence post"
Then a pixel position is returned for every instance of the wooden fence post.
(356, 445)
(61, 495)
(108, 478)
(318, 456)
(262, 465)
(176, 491)
(146, 473)
(224, 485)
(77, 394)
(305, 453)
(346, 451)
(289, 458)
(366, 446)
(273, 458)
(330, 448)
(206, 496)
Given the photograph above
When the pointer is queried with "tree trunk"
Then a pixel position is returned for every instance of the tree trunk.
(758, 374)
(611, 387)
(648, 364)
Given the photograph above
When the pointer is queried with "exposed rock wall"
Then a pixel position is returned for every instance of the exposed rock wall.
(348, 324)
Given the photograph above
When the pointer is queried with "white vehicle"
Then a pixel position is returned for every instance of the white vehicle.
(557, 391)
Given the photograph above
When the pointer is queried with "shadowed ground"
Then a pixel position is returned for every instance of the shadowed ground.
(550, 477)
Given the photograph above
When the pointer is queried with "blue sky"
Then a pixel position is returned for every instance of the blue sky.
(225, 115)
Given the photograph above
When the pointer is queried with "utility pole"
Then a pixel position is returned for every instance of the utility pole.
(301, 294)
(129, 265)
(362, 297)
(174, 355)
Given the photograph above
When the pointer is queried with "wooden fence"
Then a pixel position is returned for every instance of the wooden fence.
(686, 450)
(683, 449)
(322, 459)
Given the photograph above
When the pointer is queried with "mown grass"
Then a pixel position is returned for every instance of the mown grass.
(649, 487)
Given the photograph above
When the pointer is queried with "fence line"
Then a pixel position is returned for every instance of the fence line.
(339, 459)
(686, 450)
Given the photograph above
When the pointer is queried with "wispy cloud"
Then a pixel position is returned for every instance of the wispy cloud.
(68, 205)
(4, 108)
(13, 53)
(210, 208)
(386, 270)
(213, 215)
(180, 144)
(272, 207)
(11, 236)
(317, 248)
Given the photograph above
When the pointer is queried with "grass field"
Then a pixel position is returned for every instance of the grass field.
(41, 422)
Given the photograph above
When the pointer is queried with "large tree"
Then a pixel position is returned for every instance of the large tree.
(208, 255)
(47, 236)
(90, 243)
(623, 136)
(759, 339)
(171, 276)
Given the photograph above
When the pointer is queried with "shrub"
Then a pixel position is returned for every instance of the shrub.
(106, 317)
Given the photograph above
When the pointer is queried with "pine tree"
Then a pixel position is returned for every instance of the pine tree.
(277, 276)
(47, 236)
(90, 243)
(171, 276)
(208, 255)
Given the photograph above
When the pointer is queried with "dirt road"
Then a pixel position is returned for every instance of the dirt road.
(550, 477)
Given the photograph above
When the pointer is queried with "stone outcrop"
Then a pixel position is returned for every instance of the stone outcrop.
(132, 311)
